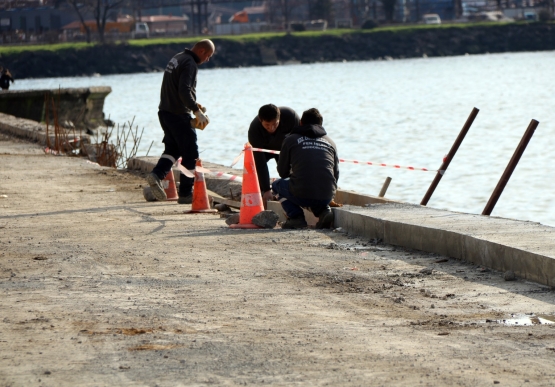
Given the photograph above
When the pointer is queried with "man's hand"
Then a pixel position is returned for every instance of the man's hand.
(268, 195)
(202, 120)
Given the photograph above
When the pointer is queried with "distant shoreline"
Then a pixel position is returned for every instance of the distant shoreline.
(249, 51)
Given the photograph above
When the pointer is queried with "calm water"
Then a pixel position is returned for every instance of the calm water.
(406, 112)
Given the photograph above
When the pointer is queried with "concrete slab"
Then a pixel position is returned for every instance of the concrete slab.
(358, 199)
(216, 198)
(527, 248)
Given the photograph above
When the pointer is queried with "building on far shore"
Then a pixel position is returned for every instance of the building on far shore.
(124, 25)
(34, 21)
(166, 24)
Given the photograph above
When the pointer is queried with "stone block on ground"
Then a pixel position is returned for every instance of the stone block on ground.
(266, 219)
(224, 187)
(222, 207)
(233, 219)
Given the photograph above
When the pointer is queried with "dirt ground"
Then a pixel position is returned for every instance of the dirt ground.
(100, 288)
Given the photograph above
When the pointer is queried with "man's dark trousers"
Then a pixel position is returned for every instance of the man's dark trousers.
(261, 162)
(292, 205)
(180, 139)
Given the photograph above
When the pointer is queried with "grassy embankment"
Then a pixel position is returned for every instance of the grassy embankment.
(6, 50)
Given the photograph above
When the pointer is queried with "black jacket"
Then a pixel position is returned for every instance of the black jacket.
(260, 138)
(178, 93)
(5, 79)
(309, 158)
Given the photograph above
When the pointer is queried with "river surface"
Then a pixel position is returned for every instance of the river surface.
(405, 112)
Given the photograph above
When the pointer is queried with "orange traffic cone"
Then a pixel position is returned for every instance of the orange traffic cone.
(200, 196)
(251, 199)
(169, 186)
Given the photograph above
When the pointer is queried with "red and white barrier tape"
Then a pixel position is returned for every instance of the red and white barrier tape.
(224, 175)
(48, 150)
(410, 168)
(275, 152)
(385, 165)
(51, 151)
(236, 159)
(227, 176)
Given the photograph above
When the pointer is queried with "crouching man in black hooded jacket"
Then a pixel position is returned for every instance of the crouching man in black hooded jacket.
(309, 169)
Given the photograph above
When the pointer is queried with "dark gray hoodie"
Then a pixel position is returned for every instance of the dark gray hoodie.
(309, 158)
(178, 92)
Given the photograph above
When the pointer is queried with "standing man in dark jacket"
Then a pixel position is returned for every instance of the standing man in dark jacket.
(5, 78)
(267, 131)
(309, 167)
(177, 101)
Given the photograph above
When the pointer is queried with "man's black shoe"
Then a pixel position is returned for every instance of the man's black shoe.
(294, 223)
(185, 199)
(325, 220)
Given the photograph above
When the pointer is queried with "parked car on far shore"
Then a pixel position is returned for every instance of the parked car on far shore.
(491, 16)
(431, 18)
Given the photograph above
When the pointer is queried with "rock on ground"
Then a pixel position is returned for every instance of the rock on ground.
(266, 219)
(232, 219)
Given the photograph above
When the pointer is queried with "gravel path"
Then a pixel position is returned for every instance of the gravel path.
(100, 288)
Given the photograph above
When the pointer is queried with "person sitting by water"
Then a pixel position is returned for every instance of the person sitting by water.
(309, 170)
(267, 131)
(5, 78)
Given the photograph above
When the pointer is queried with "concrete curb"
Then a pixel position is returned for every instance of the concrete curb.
(32, 130)
(526, 248)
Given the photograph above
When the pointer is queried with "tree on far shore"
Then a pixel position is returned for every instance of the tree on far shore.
(100, 9)
(81, 8)
(389, 9)
(320, 9)
(280, 10)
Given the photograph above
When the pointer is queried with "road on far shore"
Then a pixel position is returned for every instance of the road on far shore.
(100, 288)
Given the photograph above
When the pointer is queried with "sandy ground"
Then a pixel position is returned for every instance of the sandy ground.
(100, 288)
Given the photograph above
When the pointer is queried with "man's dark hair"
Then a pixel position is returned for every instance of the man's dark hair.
(268, 112)
(312, 117)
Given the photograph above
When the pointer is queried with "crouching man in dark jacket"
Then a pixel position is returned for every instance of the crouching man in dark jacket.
(309, 169)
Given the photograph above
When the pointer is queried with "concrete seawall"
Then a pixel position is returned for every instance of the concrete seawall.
(526, 248)
(81, 107)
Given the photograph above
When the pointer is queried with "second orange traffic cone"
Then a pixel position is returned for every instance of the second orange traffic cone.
(251, 199)
(169, 186)
(200, 196)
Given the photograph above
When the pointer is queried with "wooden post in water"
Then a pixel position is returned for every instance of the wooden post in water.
(450, 156)
(385, 186)
(510, 167)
